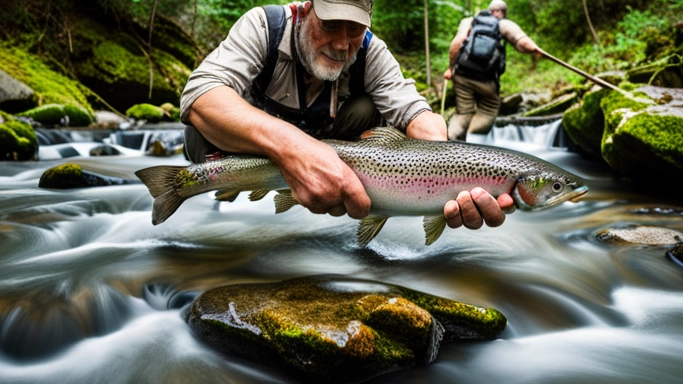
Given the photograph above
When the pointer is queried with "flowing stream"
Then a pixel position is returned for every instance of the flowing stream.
(86, 280)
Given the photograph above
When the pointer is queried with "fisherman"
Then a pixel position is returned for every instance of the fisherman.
(257, 96)
(477, 81)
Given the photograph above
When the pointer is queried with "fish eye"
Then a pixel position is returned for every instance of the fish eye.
(557, 186)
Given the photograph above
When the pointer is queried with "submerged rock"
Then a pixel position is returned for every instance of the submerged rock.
(640, 234)
(675, 254)
(73, 176)
(335, 329)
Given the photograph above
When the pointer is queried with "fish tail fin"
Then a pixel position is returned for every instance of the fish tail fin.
(160, 182)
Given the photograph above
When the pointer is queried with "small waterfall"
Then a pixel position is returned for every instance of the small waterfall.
(549, 135)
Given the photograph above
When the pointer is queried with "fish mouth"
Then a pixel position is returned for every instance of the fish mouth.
(578, 193)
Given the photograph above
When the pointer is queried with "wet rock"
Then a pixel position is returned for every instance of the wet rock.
(104, 150)
(109, 120)
(18, 139)
(675, 254)
(335, 329)
(555, 106)
(637, 234)
(73, 176)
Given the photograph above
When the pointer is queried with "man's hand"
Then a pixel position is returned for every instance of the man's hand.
(323, 183)
(476, 207)
(471, 209)
(448, 74)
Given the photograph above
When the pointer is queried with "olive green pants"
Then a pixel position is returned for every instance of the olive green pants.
(477, 104)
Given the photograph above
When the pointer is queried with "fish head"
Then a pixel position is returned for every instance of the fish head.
(546, 189)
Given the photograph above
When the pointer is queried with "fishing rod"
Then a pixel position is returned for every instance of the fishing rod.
(592, 78)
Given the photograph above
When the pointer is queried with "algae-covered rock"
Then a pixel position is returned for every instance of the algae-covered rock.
(58, 114)
(642, 138)
(147, 112)
(335, 329)
(71, 175)
(18, 140)
(584, 122)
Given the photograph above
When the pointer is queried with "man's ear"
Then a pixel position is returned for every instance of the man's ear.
(306, 8)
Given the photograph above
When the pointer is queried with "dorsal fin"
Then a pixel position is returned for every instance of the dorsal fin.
(385, 134)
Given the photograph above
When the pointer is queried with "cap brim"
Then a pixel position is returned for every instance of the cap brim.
(331, 11)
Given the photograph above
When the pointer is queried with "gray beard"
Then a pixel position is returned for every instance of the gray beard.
(307, 57)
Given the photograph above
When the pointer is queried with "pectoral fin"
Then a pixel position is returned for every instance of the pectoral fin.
(369, 228)
(433, 226)
(284, 201)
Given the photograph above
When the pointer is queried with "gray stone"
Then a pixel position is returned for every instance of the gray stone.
(15, 96)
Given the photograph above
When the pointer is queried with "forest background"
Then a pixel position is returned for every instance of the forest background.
(594, 35)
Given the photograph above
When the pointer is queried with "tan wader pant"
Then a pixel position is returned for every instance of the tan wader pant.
(476, 103)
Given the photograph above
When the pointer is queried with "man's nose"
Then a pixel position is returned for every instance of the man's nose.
(340, 39)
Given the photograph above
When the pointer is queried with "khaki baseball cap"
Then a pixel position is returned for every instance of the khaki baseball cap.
(359, 11)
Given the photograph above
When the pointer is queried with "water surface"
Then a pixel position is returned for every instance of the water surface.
(85, 279)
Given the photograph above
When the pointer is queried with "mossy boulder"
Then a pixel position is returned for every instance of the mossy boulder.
(18, 139)
(60, 115)
(49, 86)
(71, 175)
(117, 65)
(147, 112)
(335, 329)
(642, 138)
(584, 122)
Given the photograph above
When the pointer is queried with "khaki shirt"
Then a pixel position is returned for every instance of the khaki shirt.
(238, 60)
(510, 31)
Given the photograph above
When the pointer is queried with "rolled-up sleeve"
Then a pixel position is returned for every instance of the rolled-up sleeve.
(394, 96)
(234, 63)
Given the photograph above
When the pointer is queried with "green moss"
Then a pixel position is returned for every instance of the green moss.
(647, 146)
(48, 114)
(585, 122)
(78, 116)
(461, 321)
(558, 105)
(148, 112)
(62, 175)
(49, 86)
(18, 140)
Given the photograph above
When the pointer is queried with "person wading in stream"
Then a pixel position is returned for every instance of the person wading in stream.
(477, 60)
(285, 77)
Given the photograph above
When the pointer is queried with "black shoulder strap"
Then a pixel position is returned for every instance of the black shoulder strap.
(275, 15)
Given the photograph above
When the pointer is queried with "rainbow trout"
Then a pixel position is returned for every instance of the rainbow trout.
(402, 176)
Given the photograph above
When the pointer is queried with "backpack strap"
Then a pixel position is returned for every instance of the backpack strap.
(275, 15)
(357, 69)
